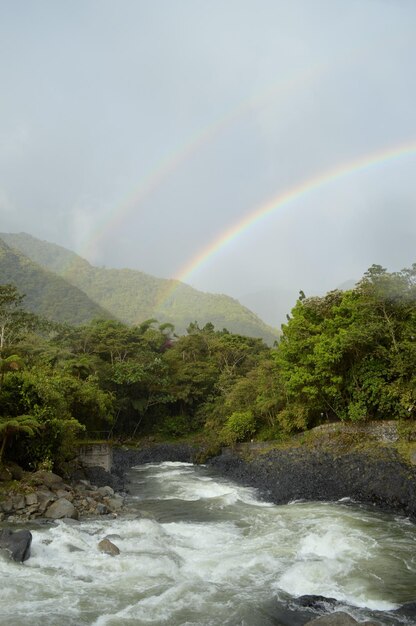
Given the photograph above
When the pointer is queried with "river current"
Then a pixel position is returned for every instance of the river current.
(207, 552)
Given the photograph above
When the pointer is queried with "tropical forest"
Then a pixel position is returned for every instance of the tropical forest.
(347, 356)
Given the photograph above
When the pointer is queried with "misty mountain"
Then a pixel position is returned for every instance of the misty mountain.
(46, 293)
(134, 296)
(271, 304)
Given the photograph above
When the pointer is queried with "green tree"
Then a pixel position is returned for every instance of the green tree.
(21, 424)
(350, 355)
(10, 313)
(9, 364)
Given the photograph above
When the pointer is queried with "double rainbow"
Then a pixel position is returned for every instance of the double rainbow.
(164, 168)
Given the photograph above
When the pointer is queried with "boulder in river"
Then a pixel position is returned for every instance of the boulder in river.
(320, 603)
(108, 547)
(337, 619)
(16, 544)
(408, 611)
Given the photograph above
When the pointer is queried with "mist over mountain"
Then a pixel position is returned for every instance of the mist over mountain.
(272, 305)
(128, 295)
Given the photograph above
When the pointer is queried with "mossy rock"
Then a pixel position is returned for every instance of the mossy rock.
(16, 471)
(5, 474)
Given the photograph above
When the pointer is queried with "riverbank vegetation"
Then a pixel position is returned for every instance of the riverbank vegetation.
(348, 356)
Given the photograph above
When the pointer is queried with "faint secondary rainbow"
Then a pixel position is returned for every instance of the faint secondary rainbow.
(282, 200)
(185, 151)
(172, 161)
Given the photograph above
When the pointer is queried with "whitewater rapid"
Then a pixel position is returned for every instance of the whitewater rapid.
(196, 549)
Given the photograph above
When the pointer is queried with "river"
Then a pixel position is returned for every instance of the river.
(208, 552)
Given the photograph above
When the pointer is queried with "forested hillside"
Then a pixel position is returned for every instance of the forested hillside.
(46, 293)
(346, 356)
(134, 296)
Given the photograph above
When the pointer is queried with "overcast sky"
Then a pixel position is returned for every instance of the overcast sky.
(136, 132)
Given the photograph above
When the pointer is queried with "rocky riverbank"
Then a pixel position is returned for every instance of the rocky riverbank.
(91, 491)
(46, 495)
(376, 474)
(281, 476)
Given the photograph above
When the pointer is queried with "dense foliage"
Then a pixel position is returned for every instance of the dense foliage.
(351, 355)
(345, 356)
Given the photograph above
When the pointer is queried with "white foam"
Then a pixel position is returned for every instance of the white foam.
(194, 570)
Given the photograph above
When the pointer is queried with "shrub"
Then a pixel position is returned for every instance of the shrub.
(239, 426)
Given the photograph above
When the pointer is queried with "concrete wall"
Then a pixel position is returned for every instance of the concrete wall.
(383, 430)
(96, 454)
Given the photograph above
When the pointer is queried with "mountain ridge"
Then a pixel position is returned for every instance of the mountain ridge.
(45, 292)
(134, 296)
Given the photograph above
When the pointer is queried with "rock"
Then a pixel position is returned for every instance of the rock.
(124, 458)
(337, 619)
(115, 503)
(64, 493)
(19, 502)
(320, 603)
(51, 480)
(101, 509)
(31, 499)
(99, 477)
(83, 485)
(5, 474)
(105, 491)
(32, 508)
(408, 609)
(108, 547)
(15, 470)
(16, 544)
(61, 508)
(45, 497)
(7, 506)
(54, 499)
(312, 473)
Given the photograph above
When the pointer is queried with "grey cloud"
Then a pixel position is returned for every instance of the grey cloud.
(202, 112)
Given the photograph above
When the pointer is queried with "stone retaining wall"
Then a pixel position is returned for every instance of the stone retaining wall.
(96, 455)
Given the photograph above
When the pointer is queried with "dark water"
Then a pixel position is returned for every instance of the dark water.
(208, 552)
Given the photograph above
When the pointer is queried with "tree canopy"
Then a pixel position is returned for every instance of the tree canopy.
(348, 355)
